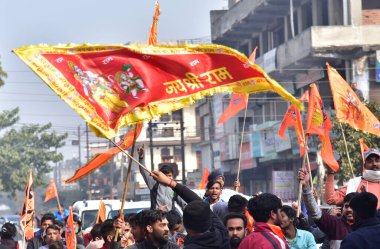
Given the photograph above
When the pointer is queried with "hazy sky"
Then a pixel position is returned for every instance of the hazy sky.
(26, 22)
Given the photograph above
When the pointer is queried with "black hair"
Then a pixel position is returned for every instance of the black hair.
(235, 216)
(54, 227)
(210, 184)
(237, 204)
(8, 231)
(290, 212)
(47, 216)
(260, 207)
(167, 169)
(56, 245)
(58, 223)
(107, 228)
(152, 216)
(214, 175)
(96, 231)
(127, 217)
(138, 219)
(173, 218)
(349, 197)
(364, 205)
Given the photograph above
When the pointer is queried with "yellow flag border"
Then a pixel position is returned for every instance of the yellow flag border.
(31, 55)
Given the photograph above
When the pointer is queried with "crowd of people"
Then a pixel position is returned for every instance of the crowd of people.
(260, 222)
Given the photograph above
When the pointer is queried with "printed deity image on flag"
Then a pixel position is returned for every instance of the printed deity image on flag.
(115, 86)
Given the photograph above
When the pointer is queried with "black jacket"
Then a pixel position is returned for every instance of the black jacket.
(365, 235)
(216, 237)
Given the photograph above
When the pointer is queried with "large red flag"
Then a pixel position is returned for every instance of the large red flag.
(238, 102)
(51, 191)
(319, 123)
(27, 211)
(101, 159)
(293, 118)
(71, 238)
(113, 86)
(348, 107)
(203, 181)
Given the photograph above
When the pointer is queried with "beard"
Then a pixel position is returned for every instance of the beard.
(161, 239)
(235, 242)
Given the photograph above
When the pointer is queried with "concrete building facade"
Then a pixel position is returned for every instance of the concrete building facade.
(295, 39)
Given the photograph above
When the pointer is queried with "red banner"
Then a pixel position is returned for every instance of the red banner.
(51, 191)
(115, 86)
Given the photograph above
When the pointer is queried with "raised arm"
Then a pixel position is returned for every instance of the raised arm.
(313, 211)
(149, 181)
(332, 196)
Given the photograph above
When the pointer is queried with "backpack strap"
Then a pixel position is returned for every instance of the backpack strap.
(271, 240)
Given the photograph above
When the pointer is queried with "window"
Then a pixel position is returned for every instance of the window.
(167, 132)
(176, 115)
(177, 154)
(165, 118)
(165, 152)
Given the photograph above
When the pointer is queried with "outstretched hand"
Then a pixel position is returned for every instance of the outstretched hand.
(163, 179)
(140, 151)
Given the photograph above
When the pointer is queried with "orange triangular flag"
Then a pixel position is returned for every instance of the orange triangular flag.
(153, 29)
(27, 211)
(51, 191)
(327, 152)
(293, 118)
(363, 148)
(71, 238)
(101, 217)
(252, 57)
(305, 97)
(348, 107)
(101, 159)
(203, 181)
(318, 122)
(237, 103)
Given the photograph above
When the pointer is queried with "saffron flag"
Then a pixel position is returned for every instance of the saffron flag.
(252, 57)
(293, 118)
(27, 211)
(101, 159)
(305, 97)
(237, 103)
(319, 123)
(101, 217)
(349, 109)
(153, 29)
(113, 86)
(363, 148)
(71, 239)
(51, 191)
(203, 182)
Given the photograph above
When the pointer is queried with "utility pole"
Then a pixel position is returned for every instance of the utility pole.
(183, 149)
(150, 129)
(88, 159)
(79, 151)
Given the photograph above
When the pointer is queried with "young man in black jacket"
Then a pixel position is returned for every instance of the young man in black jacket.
(204, 228)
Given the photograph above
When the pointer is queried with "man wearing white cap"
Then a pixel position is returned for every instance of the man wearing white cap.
(369, 182)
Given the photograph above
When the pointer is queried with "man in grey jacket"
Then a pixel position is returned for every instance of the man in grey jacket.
(161, 197)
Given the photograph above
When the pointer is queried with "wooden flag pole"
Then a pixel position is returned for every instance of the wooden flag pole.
(59, 203)
(305, 159)
(348, 155)
(241, 145)
(126, 180)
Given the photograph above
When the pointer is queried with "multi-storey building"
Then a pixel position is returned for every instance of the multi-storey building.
(295, 39)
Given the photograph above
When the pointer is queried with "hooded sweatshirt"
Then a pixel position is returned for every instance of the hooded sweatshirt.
(215, 237)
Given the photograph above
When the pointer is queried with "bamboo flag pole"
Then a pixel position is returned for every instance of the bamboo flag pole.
(305, 159)
(241, 145)
(348, 155)
(59, 205)
(126, 181)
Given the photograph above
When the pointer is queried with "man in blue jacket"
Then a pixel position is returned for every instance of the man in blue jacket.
(366, 229)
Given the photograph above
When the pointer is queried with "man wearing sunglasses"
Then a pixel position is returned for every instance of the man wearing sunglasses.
(336, 228)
